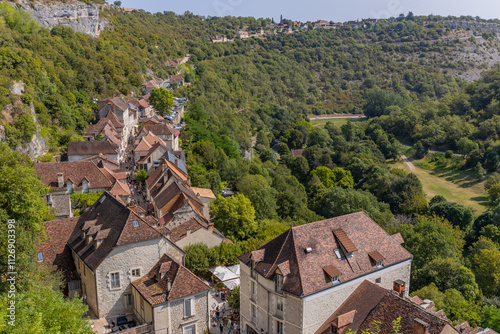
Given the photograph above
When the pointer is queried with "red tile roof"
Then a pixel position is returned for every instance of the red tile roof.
(108, 213)
(192, 225)
(306, 268)
(54, 250)
(370, 302)
(90, 148)
(183, 282)
(74, 170)
(160, 129)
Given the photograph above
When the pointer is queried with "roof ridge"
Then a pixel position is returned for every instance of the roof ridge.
(297, 260)
(290, 231)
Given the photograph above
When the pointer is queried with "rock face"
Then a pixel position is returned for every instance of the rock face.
(38, 144)
(79, 16)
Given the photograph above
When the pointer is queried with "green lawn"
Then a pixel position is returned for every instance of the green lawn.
(455, 185)
(338, 121)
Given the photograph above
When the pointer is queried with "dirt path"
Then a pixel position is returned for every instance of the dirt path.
(408, 163)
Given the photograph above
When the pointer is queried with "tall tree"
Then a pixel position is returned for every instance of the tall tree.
(234, 216)
(162, 100)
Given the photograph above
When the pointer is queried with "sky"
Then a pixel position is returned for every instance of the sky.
(312, 10)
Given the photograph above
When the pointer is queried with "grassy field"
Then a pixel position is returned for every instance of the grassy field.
(338, 121)
(442, 177)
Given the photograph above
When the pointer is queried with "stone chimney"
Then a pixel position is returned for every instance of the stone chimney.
(49, 200)
(211, 228)
(188, 233)
(399, 287)
(60, 180)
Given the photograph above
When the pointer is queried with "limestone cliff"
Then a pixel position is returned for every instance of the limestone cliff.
(79, 16)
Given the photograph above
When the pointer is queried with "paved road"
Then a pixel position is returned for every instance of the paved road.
(408, 163)
(434, 151)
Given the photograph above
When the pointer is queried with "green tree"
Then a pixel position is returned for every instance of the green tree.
(377, 101)
(332, 178)
(479, 172)
(466, 146)
(257, 189)
(432, 238)
(197, 258)
(234, 298)
(491, 317)
(455, 213)
(162, 100)
(448, 273)
(234, 216)
(142, 176)
(486, 267)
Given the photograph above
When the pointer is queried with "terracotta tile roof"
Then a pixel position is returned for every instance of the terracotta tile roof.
(74, 170)
(119, 103)
(120, 189)
(398, 237)
(143, 103)
(160, 129)
(417, 300)
(206, 193)
(90, 148)
(152, 150)
(465, 328)
(192, 225)
(258, 255)
(60, 202)
(177, 158)
(54, 249)
(172, 191)
(108, 213)
(306, 268)
(102, 158)
(183, 282)
(370, 302)
(148, 141)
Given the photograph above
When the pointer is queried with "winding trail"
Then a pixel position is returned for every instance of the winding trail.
(410, 165)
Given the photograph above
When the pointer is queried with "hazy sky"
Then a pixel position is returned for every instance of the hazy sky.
(311, 10)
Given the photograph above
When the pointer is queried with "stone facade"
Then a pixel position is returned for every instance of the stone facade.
(303, 315)
(171, 314)
(140, 255)
(201, 235)
(88, 284)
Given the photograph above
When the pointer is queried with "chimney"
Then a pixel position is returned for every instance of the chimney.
(176, 162)
(169, 284)
(188, 233)
(399, 287)
(60, 180)
(211, 228)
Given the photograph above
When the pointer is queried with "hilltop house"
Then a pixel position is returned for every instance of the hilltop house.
(295, 282)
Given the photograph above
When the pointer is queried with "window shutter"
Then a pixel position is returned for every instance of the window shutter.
(191, 301)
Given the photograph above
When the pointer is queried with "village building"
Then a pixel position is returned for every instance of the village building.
(80, 150)
(295, 282)
(54, 253)
(165, 131)
(173, 298)
(370, 302)
(123, 113)
(60, 203)
(112, 247)
(72, 177)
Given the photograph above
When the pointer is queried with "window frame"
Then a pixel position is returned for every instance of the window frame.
(111, 281)
(75, 282)
(278, 282)
(191, 307)
(279, 303)
(138, 272)
(40, 256)
(279, 327)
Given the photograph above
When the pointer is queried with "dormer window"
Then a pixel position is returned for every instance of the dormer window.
(97, 243)
(377, 258)
(83, 235)
(85, 185)
(40, 257)
(135, 223)
(335, 280)
(70, 186)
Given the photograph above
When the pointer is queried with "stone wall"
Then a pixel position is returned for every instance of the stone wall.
(200, 318)
(320, 306)
(123, 259)
(81, 17)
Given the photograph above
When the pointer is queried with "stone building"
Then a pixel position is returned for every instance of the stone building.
(111, 247)
(295, 282)
(173, 298)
